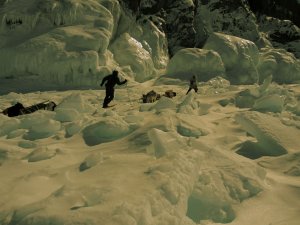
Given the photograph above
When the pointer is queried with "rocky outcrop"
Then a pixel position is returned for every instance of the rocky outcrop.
(281, 9)
(282, 33)
(232, 17)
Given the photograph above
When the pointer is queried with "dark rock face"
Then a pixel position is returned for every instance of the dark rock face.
(179, 21)
(232, 17)
(281, 9)
(188, 24)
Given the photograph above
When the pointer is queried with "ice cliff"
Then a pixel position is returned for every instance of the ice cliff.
(76, 42)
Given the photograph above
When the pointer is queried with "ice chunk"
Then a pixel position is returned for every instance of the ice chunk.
(66, 114)
(273, 137)
(283, 65)
(8, 125)
(105, 131)
(164, 103)
(269, 103)
(91, 161)
(288, 164)
(27, 144)
(73, 128)
(16, 133)
(77, 103)
(204, 64)
(41, 153)
(128, 51)
(43, 129)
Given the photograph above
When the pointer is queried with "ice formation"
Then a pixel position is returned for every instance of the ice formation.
(204, 64)
(240, 57)
(77, 42)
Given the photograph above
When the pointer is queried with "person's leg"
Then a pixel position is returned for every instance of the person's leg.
(196, 89)
(110, 96)
(188, 91)
(106, 99)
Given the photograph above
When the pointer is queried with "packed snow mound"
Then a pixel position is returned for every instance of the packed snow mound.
(284, 66)
(240, 57)
(204, 64)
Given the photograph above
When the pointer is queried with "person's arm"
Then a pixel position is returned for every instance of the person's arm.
(119, 82)
(103, 80)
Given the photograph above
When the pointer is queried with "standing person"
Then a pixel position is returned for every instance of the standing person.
(111, 80)
(193, 84)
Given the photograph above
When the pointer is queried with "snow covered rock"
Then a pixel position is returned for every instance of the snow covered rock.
(240, 57)
(204, 64)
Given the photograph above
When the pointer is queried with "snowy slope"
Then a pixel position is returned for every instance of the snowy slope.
(186, 160)
(226, 155)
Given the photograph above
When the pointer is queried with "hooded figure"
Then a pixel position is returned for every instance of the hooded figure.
(193, 84)
(111, 80)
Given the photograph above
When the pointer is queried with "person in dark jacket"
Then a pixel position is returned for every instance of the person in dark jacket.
(111, 80)
(193, 84)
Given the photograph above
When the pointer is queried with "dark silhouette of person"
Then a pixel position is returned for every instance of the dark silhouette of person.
(111, 80)
(193, 84)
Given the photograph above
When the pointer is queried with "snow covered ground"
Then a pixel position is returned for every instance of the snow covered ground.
(219, 156)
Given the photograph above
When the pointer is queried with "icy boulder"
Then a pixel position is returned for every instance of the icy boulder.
(204, 64)
(270, 103)
(68, 109)
(284, 66)
(42, 129)
(240, 57)
(8, 125)
(66, 114)
(267, 97)
(164, 103)
(105, 131)
(128, 51)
